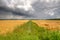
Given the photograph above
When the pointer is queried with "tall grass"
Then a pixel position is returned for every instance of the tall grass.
(31, 31)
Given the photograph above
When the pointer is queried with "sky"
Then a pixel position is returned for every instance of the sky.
(29, 9)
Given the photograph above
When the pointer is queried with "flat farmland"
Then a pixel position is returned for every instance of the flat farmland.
(50, 24)
(9, 25)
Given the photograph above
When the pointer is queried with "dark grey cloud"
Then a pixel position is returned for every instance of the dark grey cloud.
(16, 12)
(41, 10)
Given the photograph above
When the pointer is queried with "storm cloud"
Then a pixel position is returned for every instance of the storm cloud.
(29, 9)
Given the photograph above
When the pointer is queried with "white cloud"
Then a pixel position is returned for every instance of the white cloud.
(49, 1)
(51, 13)
(22, 4)
(40, 9)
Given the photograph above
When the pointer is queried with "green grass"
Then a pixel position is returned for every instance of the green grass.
(31, 31)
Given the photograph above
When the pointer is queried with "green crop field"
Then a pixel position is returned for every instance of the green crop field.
(31, 31)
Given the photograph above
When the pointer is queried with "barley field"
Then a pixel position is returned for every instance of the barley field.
(9, 25)
(29, 30)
